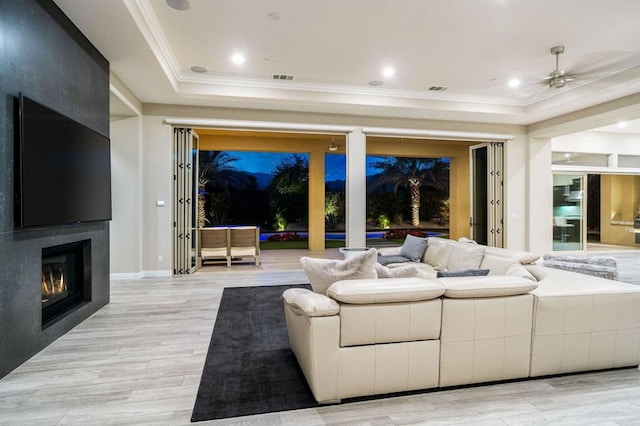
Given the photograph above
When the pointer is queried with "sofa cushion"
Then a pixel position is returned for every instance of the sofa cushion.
(463, 273)
(499, 265)
(413, 248)
(312, 304)
(432, 253)
(489, 286)
(517, 270)
(465, 256)
(443, 257)
(389, 290)
(524, 257)
(386, 260)
(324, 272)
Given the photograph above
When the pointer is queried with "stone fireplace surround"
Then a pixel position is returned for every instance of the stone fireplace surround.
(61, 69)
(66, 279)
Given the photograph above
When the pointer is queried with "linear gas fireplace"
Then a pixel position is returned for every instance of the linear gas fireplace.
(66, 279)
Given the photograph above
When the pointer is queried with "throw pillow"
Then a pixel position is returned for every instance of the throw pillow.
(324, 272)
(464, 256)
(463, 273)
(517, 270)
(386, 260)
(413, 248)
(404, 271)
(432, 253)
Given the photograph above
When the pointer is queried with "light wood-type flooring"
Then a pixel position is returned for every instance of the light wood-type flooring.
(138, 362)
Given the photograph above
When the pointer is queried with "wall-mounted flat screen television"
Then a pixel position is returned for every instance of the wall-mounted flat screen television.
(63, 169)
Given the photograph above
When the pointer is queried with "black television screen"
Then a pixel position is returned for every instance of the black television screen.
(64, 174)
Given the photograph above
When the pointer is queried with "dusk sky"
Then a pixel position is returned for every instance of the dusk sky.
(266, 162)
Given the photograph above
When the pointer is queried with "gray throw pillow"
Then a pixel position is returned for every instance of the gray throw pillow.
(413, 248)
(463, 273)
(386, 260)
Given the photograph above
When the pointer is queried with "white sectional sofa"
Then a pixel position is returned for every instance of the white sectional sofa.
(376, 336)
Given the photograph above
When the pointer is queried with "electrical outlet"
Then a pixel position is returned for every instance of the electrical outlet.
(160, 259)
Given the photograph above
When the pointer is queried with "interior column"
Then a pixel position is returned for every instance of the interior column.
(356, 189)
(316, 198)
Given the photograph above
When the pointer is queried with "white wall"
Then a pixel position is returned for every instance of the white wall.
(539, 192)
(515, 200)
(598, 143)
(126, 225)
(157, 183)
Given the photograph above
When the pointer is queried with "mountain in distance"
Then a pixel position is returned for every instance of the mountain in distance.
(337, 185)
(262, 179)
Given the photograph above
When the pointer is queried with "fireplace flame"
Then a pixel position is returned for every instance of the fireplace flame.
(53, 284)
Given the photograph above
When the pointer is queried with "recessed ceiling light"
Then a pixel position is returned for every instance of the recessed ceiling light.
(198, 69)
(622, 124)
(514, 82)
(388, 72)
(238, 58)
(274, 16)
(181, 5)
(375, 83)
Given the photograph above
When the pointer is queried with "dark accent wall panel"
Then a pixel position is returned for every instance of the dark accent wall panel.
(44, 56)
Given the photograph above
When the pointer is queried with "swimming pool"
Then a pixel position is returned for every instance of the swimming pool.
(341, 235)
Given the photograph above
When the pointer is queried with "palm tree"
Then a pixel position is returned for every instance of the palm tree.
(218, 176)
(412, 173)
(217, 171)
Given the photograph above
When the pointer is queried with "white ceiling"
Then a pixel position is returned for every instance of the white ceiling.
(334, 48)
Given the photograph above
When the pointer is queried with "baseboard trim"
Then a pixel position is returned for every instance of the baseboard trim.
(122, 276)
(157, 274)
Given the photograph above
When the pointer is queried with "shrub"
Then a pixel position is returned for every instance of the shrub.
(383, 221)
(287, 236)
(280, 223)
(398, 234)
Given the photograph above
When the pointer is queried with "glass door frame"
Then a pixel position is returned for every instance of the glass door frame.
(486, 192)
(582, 231)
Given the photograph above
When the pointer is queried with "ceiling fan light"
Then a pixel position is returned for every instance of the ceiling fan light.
(333, 147)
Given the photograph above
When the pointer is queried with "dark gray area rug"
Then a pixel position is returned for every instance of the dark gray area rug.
(250, 368)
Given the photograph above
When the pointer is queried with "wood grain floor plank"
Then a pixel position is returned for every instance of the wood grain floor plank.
(138, 362)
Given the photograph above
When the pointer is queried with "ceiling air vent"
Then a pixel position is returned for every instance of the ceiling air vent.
(438, 88)
(282, 77)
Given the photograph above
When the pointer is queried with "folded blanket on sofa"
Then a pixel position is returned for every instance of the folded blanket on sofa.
(604, 267)
(592, 260)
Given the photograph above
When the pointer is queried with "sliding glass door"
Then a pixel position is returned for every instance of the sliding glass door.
(568, 211)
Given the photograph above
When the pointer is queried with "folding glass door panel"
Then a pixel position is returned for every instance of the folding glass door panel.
(185, 195)
(486, 220)
(568, 211)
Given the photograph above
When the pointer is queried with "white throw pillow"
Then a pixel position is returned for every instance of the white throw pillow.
(517, 270)
(324, 272)
(432, 253)
(465, 256)
(404, 271)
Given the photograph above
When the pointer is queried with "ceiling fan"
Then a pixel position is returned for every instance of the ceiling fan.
(558, 78)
